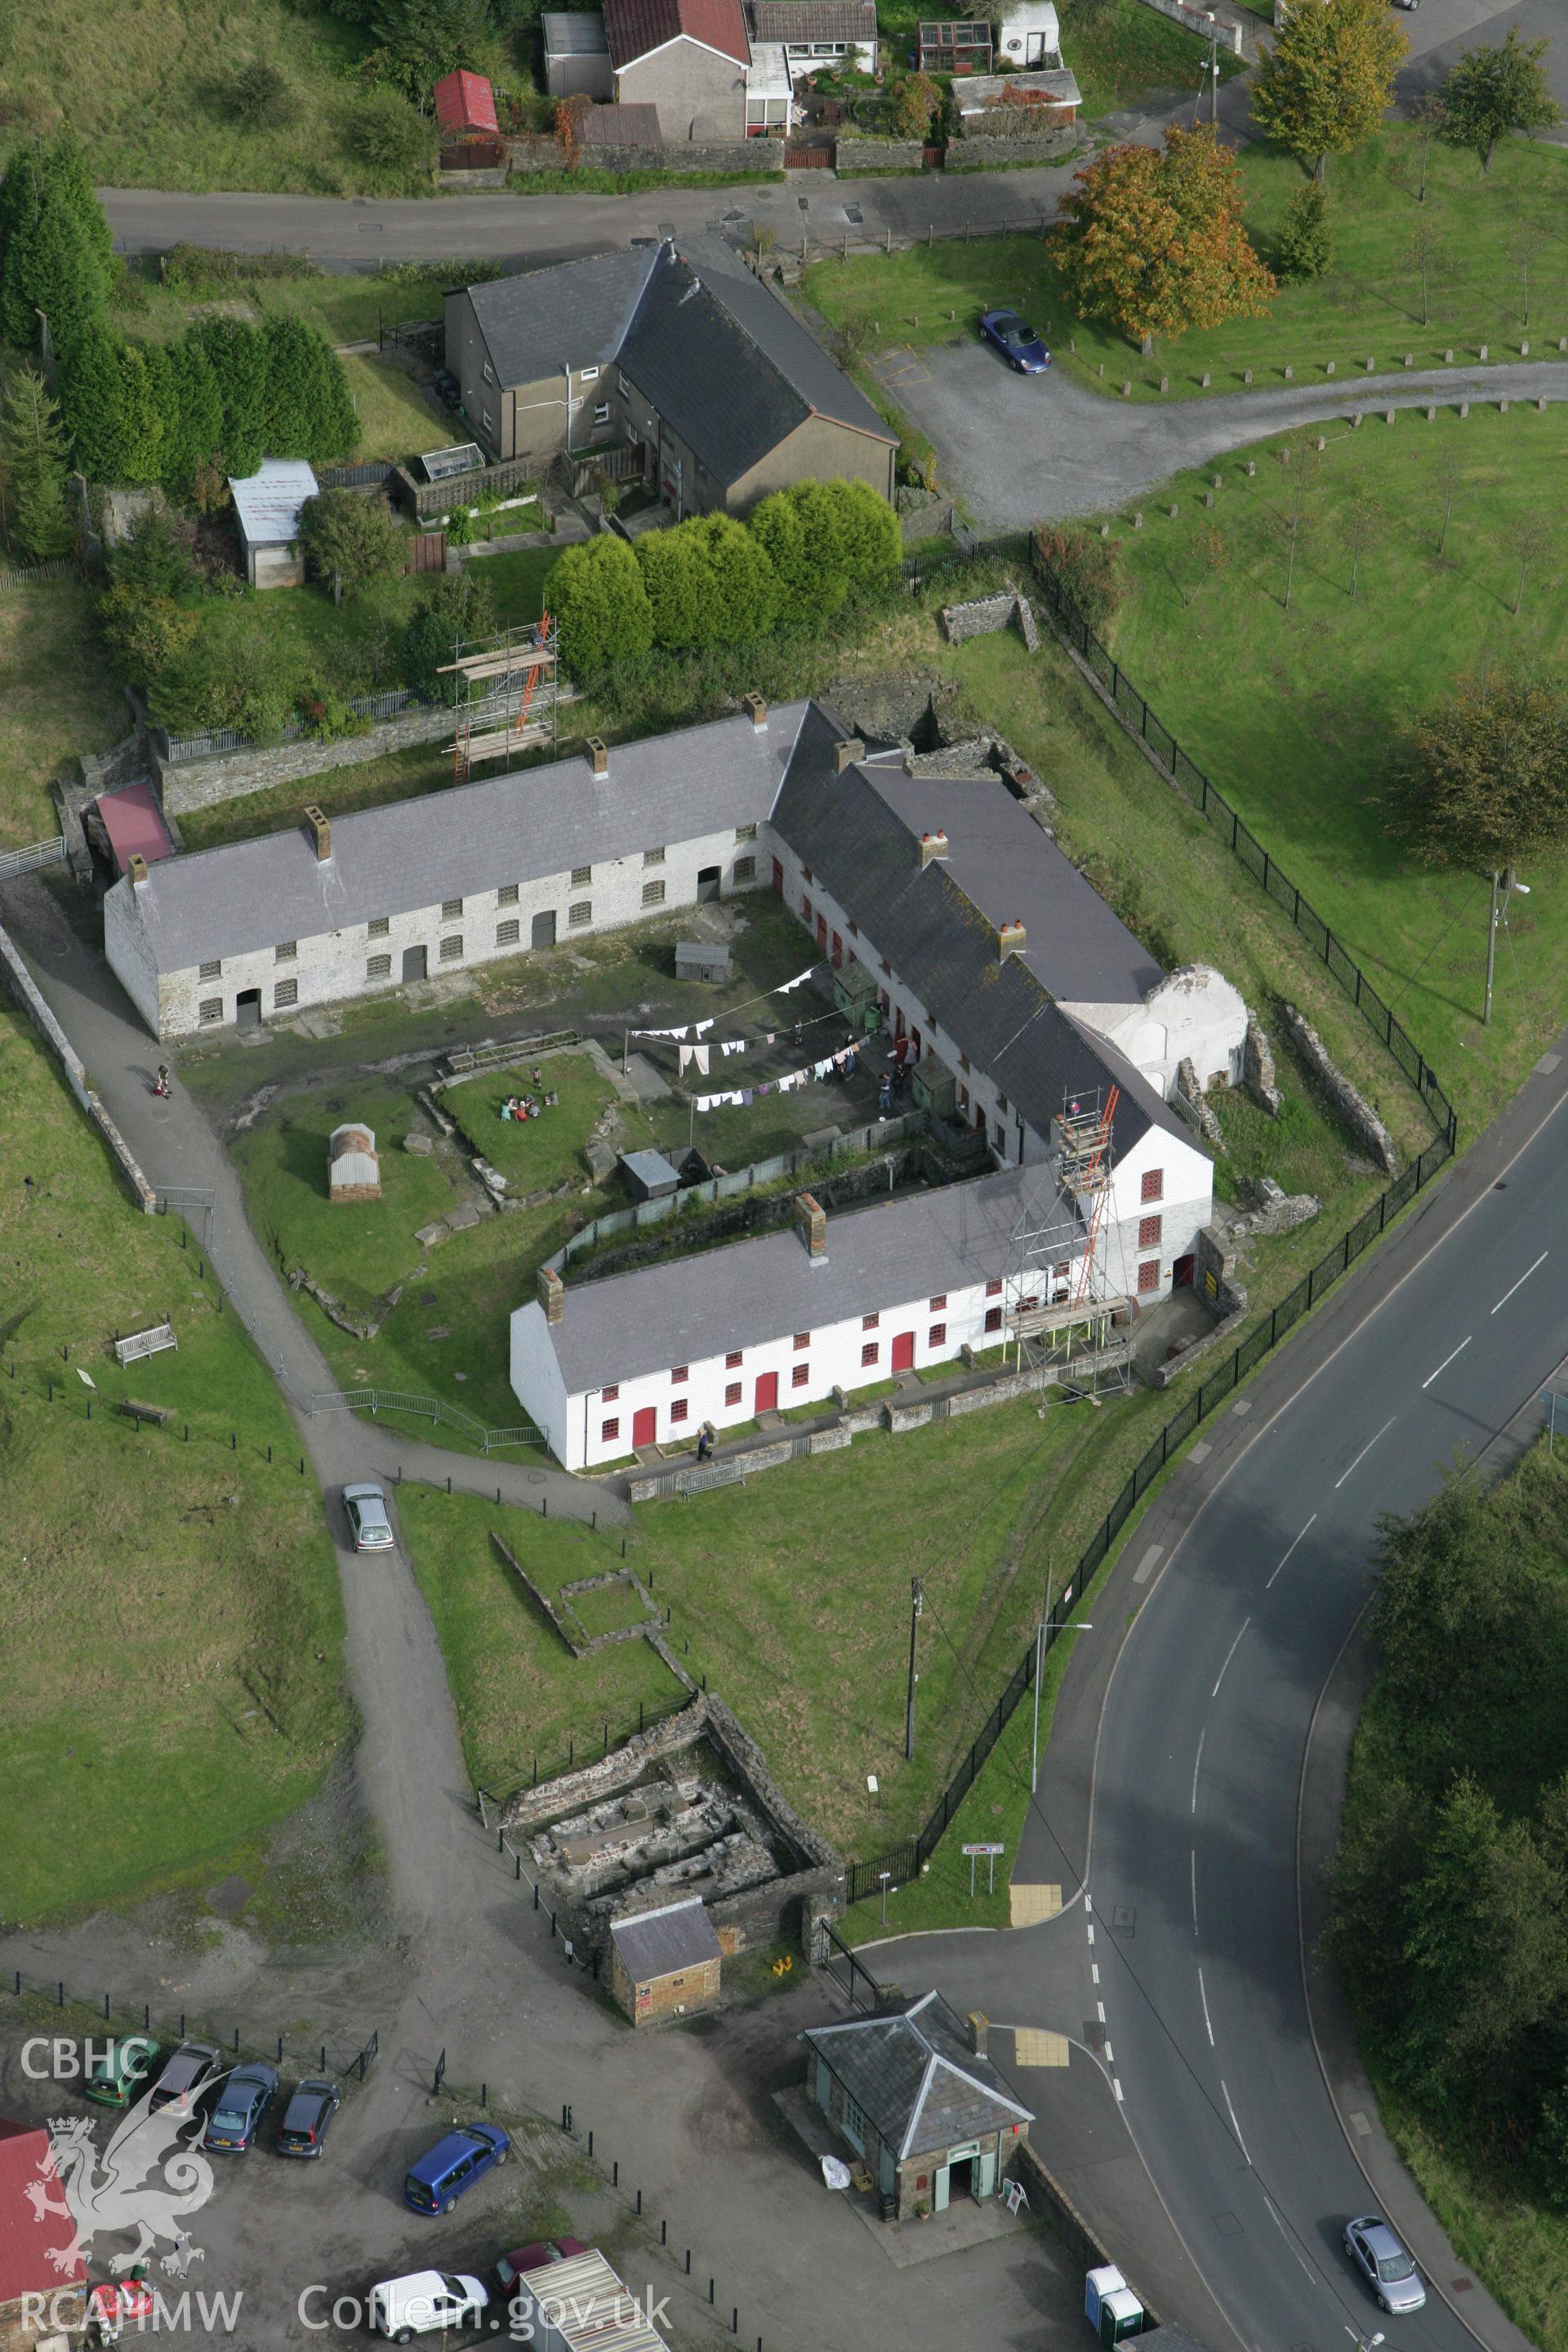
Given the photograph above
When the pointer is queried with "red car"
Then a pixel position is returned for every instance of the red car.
(537, 2257)
(111, 2308)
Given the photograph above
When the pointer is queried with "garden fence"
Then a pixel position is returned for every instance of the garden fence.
(235, 2043)
(27, 861)
(355, 477)
(595, 1747)
(57, 567)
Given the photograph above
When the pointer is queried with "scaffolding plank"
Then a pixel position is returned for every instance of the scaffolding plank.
(494, 665)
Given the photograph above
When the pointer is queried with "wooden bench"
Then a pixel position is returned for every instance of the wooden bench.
(134, 1409)
(151, 1342)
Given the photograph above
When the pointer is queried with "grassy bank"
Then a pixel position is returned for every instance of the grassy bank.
(55, 698)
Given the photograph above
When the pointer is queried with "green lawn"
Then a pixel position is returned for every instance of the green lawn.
(1368, 305)
(396, 420)
(55, 700)
(534, 1152)
(170, 1625)
(347, 306)
(1124, 55)
(1296, 714)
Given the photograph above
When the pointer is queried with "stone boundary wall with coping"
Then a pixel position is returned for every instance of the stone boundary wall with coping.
(1201, 21)
(857, 154)
(1347, 1099)
(20, 981)
(981, 147)
(232, 775)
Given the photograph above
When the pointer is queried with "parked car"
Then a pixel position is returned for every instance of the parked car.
(1017, 341)
(1385, 2265)
(238, 2108)
(184, 2076)
(424, 2301)
(311, 2108)
(369, 1524)
(510, 2267)
(450, 2169)
(123, 2069)
(1404, 4)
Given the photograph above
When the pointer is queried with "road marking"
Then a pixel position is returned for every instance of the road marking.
(1233, 2125)
(1524, 1278)
(1032, 2047)
(1094, 1970)
(1360, 2124)
(1117, 2088)
(1290, 2240)
(1194, 1890)
(1205, 1998)
(1028, 1905)
(1147, 1565)
(1109, 2055)
(1365, 1450)
(1092, 1935)
(1100, 2006)
(1311, 1522)
(1196, 1761)
(1229, 1655)
(1448, 1359)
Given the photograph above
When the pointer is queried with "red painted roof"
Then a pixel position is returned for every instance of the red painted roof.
(465, 101)
(30, 2240)
(635, 26)
(134, 825)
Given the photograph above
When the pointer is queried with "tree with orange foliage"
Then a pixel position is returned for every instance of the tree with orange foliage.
(569, 114)
(1153, 242)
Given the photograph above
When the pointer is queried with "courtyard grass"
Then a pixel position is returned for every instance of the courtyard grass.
(1297, 716)
(170, 1625)
(532, 1153)
(55, 700)
(1369, 304)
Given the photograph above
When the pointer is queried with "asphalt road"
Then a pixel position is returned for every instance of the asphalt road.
(1193, 1857)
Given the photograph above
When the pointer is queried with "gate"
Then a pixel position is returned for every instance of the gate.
(932, 159)
(426, 553)
(810, 159)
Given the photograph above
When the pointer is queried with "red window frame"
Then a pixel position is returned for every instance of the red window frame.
(1150, 1231)
(993, 1318)
(799, 1376)
(681, 1372)
(1149, 1274)
(939, 1302)
(870, 1322)
(937, 1335)
(732, 1391)
(610, 1395)
(733, 1359)
(803, 1340)
(1153, 1184)
(609, 1430)
(868, 1353)
(994, 1290)
(679, 1409)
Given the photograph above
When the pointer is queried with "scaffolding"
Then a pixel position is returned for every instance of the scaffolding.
(1062, 1299)
(509, 695)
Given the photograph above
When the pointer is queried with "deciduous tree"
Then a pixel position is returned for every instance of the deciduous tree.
(1484, 780)
(349, 540)
(1327, 77)
(1152, 240)
(1492, 91)
(1361, 520)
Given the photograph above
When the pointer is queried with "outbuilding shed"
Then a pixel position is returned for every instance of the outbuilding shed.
(665, 1963)
(702, 960)
(649, 1175)
(465, 106)
(267, 507)
(577, 54)
(355, 1169)
(43, 2278)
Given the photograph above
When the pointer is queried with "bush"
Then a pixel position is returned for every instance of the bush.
(452, 605)
(260, 95)
(1306, 246)
(145, 635)
(601, 606)
(909, 104)
(349, 540)
(309, 413)
(148, 560)
(1089, 570)
(388, 132)
(223, 678)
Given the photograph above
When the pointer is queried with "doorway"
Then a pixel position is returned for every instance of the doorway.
(543, 932)
(644, 1426)
(767, 1393)
(1035, 55)
(708, 880)
(414, 965)
(247, 1008)
(1183, 1273)
(904, 1351)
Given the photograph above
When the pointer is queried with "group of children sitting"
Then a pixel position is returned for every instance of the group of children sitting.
(529, 1105)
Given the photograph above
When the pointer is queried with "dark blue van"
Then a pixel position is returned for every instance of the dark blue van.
(435, 2184)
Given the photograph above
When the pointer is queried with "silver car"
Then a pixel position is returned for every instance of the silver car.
(368, 1522)
(1383, 2262)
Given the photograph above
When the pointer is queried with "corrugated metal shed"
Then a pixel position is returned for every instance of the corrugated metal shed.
(267, 504)
(583, 2303)
(658, 1943)
(465, 101)
(575, 33)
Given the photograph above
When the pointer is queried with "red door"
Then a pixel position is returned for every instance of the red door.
(822, 930)
(837, 952)
(904, 1352)
(767, 1391)
(645, 1423)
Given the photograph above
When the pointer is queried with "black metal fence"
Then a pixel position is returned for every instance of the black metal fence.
(850, 1974)
(121, 2017)
(590, 1748)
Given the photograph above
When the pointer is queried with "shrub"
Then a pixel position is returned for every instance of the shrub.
(261, 95)
(601, 606)
(909, 105)
(742, 594)
(1306, 246)
(349, 540)
(1089, 570)
(677, 581)
(148, 560)
(388, 132)
(238, 359)
(145, 635)
(452, 605)
(309, 413)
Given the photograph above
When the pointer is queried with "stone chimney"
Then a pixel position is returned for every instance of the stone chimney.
(979, 2031)
(844, 756)
(812, 1221)
(320, 830)
(756, 710)
(552, 1294)
(933, 846)
(138, 872)
(598, 752)
(1011, 939)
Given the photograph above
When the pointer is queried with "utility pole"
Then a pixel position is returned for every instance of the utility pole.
(917, 1600)
(1491, 951)
(1039, 1668)
(1213, 83)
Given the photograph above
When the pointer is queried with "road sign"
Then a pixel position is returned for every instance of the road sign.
(991, 1853)
(984, 1849)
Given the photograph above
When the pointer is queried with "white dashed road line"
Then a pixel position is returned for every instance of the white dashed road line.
(1312, 1522)
(1524, 1278)
(1229, 1655)
(1365, 1450)
(1448, 1359)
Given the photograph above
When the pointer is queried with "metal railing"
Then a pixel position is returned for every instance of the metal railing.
(379, 1401)
(391, 702)
(27, 861)
(594, 1752)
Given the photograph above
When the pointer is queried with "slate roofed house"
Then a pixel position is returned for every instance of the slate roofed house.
(815, 33)
(465, 107)
(665, 1963)
(691, 58)
(914, 2093)
(43, 2278)
(679, 351)
(577, 54)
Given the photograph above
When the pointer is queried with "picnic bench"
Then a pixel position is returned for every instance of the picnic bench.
(134, 1409)
(151, 1342)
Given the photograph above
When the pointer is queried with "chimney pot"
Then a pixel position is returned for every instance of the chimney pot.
(599, 756)
(813, 1219)
(1011, 939)
(933, 845)
(138, 871)
(758, 711)
(552, 1294)
(320, 828)
(844, 756)
(979, 2031)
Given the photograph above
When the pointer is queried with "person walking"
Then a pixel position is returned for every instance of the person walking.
(704, 1444)
(161, 1086)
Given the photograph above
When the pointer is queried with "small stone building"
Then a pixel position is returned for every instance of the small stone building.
(355, 1168)
(914, 2094)
(665, 1963)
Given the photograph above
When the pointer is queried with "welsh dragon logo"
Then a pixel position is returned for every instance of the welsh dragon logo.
(149, 2178)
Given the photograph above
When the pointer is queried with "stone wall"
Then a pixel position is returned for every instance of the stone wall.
(14, 975)
(757, 158)
(1201, 22)
(229, 775)
(982, 616)
(982, 148)
(1348, 1100)
(1257, 1067)
(859, 154)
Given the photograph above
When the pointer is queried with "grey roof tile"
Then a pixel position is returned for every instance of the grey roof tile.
(569, 314)
(814, 20)
(657, 1943)
(911, 2072)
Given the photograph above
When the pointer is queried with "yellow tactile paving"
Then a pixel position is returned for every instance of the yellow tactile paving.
(1030, 1905)
(1032, 2047)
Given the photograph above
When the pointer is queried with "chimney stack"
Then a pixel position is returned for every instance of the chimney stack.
(598, 757)
(844, 756)
(138, 871)
(813, 1218)
(757, 709)
(552, 1294)
(933, 845)
(1010, 940)
(322, 831)
(979, 2031)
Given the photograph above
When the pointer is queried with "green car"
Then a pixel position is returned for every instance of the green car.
(123, 2069)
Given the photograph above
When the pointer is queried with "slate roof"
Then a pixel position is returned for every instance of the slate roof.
(572, 314)
(944, 946)
(658, 1943)
(412, 854)
(911, 2073)
(621, 126)
(879, 1257)
(268, 503)
(636, 27)
(814, 20)
(1012, 870)
(575, 33)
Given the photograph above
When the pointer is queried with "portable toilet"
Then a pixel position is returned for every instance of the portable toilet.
(1121, 2314)
(1108, 2280)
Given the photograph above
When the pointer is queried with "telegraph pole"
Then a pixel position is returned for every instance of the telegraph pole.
(1491, 951)
(916, 1603)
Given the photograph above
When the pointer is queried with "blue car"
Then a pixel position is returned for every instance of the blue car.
(237, 2108)
(1017, 341)
(450, 2169)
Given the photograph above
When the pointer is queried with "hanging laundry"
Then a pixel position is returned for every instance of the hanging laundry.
(703, 1027)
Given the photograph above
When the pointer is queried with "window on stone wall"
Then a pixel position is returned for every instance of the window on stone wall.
(653, 857)
(1153, 1184)
(1149, 1274)
(800, 1375)
(993, 1318)
(681, 1372)
(507, 895)
(286, 951)
(508, 934)
(679, 1409)
(609, 1430)
(745, 833)
(653, 893)
(746, 869)
(869, 1322)
(993, 1290)
(868, 1352)
(213, 971)
(803, 1340)
(210, 1008)
(452, 911)
(937, 1335)
(1149, 1232)
(581, 876)
(939, 1302)
(579, 915)
(732, 1391)
(378, 967)
(287, 992)
(379, 926)
(452, 949)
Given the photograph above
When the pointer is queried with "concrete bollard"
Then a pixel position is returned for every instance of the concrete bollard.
(1126, 388)
(1409, 359)
(1464, 407)
(1251, 467)
(1357, 421)
(1208, 498)
(1164, 383)
(1482, 352)
(1448, 358)
(1247, 372)
(1563, 343)
(1102, 367)
(1524, 351)
(1288, 373)
(1329, 368)
(1541, 406)
(1138, 523)
(1203, 380)
(1503, 407)
(1105, 531)
(1172, 512)
(1388, 415)
(1216, 481)
(1370, 365)
(1431, 416)
(1323, 441)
